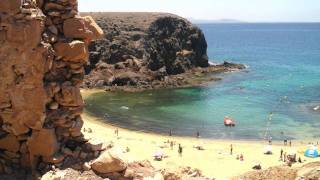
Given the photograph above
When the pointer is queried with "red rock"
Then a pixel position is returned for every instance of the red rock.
(82, 28)
(78, 123)
(25, 160)
(23, 148)
(40, 100)
(139, 169)
(96, 145)
(3, 35)
(56, 159)
(53, 6)
(25, 35)
(108, 163)
(43, 143)
(10, 143)
(69, 96)
(76, 51)
(76, 133)
(93, 27)
(10, 6)
(86, 166)
(67, 151)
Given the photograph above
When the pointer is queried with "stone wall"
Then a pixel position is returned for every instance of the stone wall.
(43, 47)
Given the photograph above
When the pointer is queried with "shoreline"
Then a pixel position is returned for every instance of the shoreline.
(87, 92)
(194, 77)
(143, 144)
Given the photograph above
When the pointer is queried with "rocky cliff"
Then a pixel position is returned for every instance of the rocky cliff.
(309, 171)
(43, 47)
(43, 50)
(147, 51)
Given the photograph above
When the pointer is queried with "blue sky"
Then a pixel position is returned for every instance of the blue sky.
(245, 10)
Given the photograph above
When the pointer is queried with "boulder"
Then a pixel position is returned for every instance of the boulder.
(40, 74)
(69, 96)
(108, 163)
(10, 143)
(139, 170)
(53, 6)
(10, 6)
(75, 51)
(96, 145)
(82, 28)
(94, 28)
(21, 82)
(43, 143)
(25, 35)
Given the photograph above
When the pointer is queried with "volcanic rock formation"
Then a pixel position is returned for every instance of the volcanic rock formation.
(148, 51)
(43, 47)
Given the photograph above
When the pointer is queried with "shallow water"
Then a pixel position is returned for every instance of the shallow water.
(283, 78)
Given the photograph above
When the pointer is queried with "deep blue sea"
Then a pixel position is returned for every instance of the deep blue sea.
(283, 78)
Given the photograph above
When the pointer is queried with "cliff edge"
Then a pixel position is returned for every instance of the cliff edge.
(148, 51)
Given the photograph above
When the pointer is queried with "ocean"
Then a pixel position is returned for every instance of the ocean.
(274, 97)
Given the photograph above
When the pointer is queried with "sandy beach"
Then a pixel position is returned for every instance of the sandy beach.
(214, 161)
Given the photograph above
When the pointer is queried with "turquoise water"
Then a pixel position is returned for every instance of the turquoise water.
(282, 78)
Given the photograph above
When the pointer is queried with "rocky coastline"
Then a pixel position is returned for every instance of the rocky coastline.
(143, 51)
(44, 48)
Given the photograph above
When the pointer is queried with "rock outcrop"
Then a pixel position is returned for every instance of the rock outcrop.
(308, 171)
(176, 45)
(43, 48)
(138, 170)
(148, 51)
(108, 163)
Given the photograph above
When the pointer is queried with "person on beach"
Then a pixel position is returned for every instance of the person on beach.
(270, 140)
(171, 145)
(290, 143)
(198, 134)
(170, 132)
(241, 157)
(281, 153)
(231, 149)
(285, 142)
(180, 150)
(116, 132)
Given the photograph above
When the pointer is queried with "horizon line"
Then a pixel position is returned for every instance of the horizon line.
(205, 21)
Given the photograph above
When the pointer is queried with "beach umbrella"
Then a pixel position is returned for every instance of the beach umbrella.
(312, 152)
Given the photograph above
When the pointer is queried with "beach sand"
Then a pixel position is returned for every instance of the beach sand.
(215, 161)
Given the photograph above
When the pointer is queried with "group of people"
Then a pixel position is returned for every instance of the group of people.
(285, 142)
(289, 158)
(239, 157)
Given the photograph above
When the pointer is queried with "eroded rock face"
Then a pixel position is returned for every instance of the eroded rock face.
(149, 45)
(175, 44)
(43, 48)
(108, 163)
